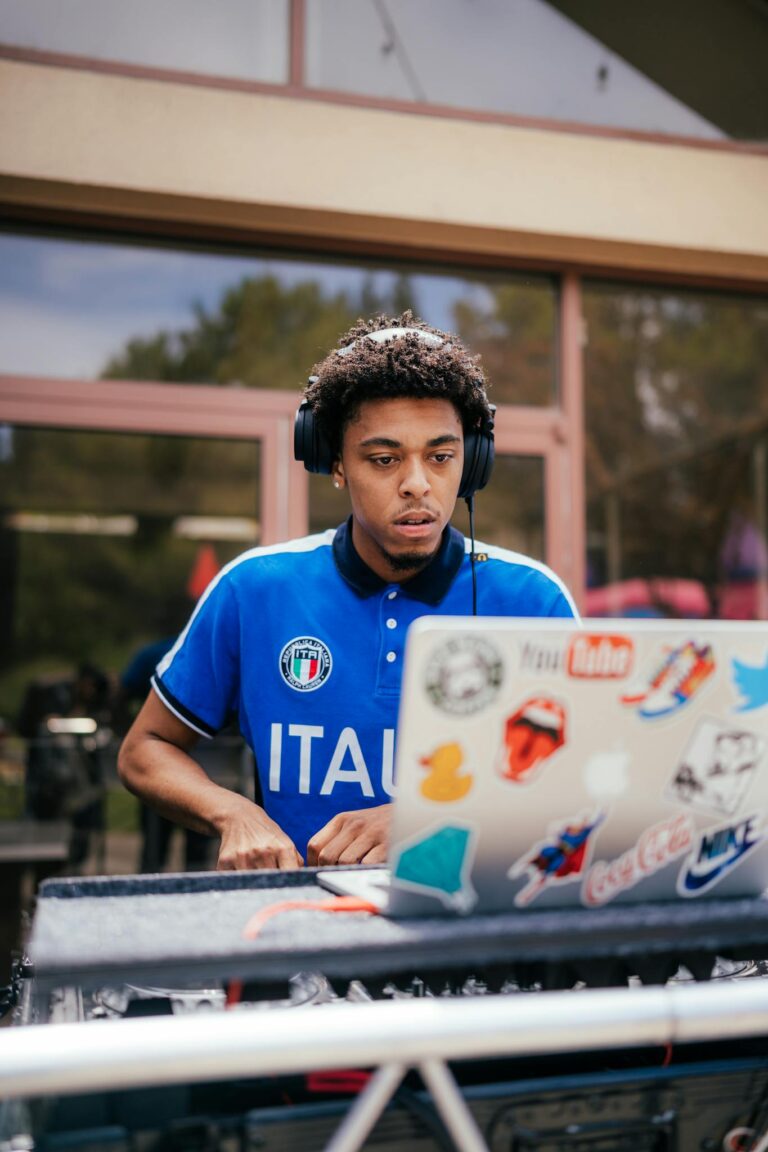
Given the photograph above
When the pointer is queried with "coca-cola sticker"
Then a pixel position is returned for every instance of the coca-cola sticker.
(656, 847)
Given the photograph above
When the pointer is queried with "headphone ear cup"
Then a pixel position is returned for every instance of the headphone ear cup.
(310, 445)
(479, 453)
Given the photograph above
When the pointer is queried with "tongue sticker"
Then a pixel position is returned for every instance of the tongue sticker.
(532, 735)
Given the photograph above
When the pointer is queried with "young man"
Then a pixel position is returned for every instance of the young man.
(304, 641)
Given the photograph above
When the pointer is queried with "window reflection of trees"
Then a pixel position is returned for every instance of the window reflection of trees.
(677, 422)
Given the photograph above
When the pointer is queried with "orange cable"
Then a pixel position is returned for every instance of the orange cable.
(259, 919)
(335, 904)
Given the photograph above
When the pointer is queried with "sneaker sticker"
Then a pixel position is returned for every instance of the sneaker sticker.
(656, 847)
(438, 864)
(532, 735)
(673, 682)
(717, 767)
(559, 859)
(444, 782)
(751, 684)
(716, 852)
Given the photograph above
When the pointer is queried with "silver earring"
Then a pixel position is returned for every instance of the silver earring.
(336, 484)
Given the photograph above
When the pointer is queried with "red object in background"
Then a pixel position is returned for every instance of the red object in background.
(657, 596)
(205, 567)
(744, 600)
(351, 1080)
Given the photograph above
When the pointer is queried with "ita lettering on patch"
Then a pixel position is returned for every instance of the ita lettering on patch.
(655, 848)
(305, 663)
(559, 859)
(717, 767)
(716, 853)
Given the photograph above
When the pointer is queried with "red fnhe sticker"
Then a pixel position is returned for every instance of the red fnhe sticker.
(599, 656)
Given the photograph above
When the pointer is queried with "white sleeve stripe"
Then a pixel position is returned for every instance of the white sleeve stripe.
(184, 719)
(507, 557)
(304, 544)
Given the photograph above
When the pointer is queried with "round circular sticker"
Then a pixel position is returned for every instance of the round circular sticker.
(463, 675)
(305, 663)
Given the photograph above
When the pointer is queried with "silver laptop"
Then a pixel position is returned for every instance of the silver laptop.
(545, 764)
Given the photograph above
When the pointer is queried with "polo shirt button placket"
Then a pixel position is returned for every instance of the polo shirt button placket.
(391, 624)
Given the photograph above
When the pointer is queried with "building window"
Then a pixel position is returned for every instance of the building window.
(106, 542)
(524, 58)
(677, 452)
(85, 310)
(242, 39)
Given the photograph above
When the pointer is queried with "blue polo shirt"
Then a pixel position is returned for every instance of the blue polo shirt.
(302, 643)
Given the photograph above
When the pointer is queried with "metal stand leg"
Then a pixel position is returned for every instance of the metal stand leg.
(369, 1105)
(452, 1107)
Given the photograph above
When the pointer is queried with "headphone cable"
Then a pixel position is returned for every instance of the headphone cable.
(471, 506)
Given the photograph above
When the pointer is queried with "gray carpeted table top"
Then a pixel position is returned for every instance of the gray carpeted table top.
(187, 927)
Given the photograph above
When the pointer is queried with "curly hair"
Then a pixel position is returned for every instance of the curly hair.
(408, 365)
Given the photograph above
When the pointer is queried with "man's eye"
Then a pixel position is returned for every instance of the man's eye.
(443, 457)
(383, 460)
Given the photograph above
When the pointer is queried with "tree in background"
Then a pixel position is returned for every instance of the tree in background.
(676, 400)
(98, 596)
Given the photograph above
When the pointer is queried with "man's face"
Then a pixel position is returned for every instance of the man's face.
(401, 461)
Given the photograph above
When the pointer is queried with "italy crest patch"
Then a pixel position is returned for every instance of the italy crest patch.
(305, 663)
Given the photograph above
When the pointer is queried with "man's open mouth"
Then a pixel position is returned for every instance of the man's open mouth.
(415, 518)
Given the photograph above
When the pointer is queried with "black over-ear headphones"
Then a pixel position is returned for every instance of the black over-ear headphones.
(313, 448)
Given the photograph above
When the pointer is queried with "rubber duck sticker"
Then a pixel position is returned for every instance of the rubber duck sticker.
(751, 683)
(557, 860)
(444, 783)
(438, 864)
(681, 673)
(532, 735)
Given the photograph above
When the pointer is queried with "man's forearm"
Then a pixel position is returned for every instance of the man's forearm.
(168, 779)
(155, 763)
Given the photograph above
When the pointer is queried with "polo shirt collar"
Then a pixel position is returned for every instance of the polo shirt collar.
(430, 585)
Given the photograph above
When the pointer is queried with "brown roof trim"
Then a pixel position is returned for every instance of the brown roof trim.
(48, 205)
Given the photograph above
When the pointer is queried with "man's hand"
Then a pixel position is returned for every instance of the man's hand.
(360, 837)
(249, 839)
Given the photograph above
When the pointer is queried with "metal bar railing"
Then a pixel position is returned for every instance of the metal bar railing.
(56, 1059)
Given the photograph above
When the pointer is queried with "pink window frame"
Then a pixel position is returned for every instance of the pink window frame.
(177, 410)
(555, 434)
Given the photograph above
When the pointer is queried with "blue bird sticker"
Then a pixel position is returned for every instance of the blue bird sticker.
(751, 683)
